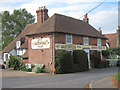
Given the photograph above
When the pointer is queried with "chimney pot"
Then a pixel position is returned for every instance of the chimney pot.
(86, 18)
(99, 30)
(44, 7)
(42, 14)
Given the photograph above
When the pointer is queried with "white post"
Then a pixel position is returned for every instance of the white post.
(101, 54)
(88, 54)
(91, 85)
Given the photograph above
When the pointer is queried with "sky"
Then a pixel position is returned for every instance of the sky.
(105, 16)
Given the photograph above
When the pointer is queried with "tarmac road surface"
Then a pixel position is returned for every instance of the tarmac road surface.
(74, 80)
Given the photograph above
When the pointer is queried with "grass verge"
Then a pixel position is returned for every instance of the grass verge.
(117, 76)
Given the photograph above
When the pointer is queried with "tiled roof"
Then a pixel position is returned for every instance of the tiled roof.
(12, 44)
(65, 24)
(25, 44)
(112, 39)
(56, 23)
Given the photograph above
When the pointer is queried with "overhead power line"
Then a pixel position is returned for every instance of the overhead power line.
(93, 9)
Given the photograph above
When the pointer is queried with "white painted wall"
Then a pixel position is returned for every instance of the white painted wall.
(24, 50)
(21, 52)
(18, 43)
(13, 52)
(6, 57)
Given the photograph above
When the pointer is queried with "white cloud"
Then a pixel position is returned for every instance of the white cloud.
(75, 11)
(79, 1)
(72, 8)
(14, 1)
(107, 20)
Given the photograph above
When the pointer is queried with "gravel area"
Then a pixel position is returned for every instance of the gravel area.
(15, 73)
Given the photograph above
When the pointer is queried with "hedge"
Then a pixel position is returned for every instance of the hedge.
(80, 61)
(63, 62)
(66, 62)
(97, 62)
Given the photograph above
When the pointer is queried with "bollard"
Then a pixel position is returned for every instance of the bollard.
(53, 72)
(91, 85)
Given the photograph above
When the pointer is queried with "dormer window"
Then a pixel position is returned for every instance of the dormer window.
(18, 43)
(22, 40)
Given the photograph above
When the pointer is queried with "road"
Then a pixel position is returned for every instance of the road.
(74, 80)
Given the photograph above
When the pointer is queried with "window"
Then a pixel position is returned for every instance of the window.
(99, 42)
(17, 44)
(86, 41)
(68, 39)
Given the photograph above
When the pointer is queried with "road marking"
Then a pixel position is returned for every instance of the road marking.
(100, 80)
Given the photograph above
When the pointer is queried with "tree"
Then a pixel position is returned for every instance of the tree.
(13, 24)
(0, 32)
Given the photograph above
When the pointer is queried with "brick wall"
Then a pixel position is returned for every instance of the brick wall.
(103, 42)
(77, 39)
(45, 56)
(61, 38)
(92, 41)
(41, 56)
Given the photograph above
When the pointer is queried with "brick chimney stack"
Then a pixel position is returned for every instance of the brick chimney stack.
(118, 37)
(85, 19)
(99, 30)
(42, 14)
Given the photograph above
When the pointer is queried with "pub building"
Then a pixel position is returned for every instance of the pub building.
(38, 42)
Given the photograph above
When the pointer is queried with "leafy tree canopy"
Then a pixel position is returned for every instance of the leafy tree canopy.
(13, 24)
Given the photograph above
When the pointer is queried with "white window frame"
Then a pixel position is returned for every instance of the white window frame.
(68, 36)
(18, 43)
(99, 42)
(86, 40)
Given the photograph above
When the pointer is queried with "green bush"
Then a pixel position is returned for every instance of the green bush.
(114, 51)
(106, 53)
(14, 62)
(63, 62)
(80, 61)
(23, 68)
(40, 70)
(111, 53)
(29, 69)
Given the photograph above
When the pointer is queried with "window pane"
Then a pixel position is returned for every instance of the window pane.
(69, 39)
(86, 42)
(99, 42)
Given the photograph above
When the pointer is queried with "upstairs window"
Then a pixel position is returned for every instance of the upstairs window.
(98, 42)
(68, 39)
(86, 41)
